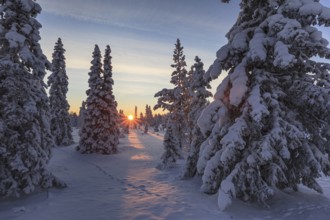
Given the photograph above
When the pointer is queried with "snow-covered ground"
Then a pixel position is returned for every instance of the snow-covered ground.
(128, 186)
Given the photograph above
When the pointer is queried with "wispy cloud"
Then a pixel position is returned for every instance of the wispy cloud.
(141, 34)
(145, 15)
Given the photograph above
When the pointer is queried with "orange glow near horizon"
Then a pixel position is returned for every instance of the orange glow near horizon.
(75, 108)
(130, 117)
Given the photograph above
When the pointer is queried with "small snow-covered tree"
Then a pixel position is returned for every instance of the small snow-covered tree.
(123, 122)
(151, 116)
(146, 120)
(148, 116)
(141, 119)
(199, 93)
(175, 100)
(135, 117)
(58, 82)
(82, 113)
(26, 139)
(263, 126)
(171, 146)
(157, 122)
(74, 119)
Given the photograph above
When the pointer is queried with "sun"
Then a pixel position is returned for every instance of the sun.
(130, 117)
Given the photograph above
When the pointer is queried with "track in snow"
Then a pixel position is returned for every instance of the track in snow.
(127, 185)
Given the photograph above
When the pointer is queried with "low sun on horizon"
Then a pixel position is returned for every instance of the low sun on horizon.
(130, 117)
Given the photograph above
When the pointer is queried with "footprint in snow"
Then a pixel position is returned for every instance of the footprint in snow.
(142, 186)
(19, 209)
(303, 209)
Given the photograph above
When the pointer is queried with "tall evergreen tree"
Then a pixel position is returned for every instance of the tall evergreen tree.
(175, 100)
(199, 93)
(135, 117)
(146, 119)
(188, 105)
(109, 118)
(100, 130)
(263, 126)
(89, 132)
(58, 82)
(26, 139)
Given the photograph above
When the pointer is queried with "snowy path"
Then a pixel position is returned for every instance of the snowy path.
(128, 186)
(122, 186)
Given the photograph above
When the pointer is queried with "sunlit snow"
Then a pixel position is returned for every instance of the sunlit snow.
(128, 186)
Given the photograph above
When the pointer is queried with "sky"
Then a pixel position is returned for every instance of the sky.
(141, 34)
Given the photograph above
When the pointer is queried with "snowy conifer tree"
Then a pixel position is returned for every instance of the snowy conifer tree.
(89, 131)
(171, 146)
(74, 119)
(175, 100)
(100, 130)
(263, 126)
(109, 119)
(135, 117)
(26, 139)
(82, 113)
(148, 116)
(146, 120)
(199, 93)
(122, 117)
(141, 119)
(58, 82)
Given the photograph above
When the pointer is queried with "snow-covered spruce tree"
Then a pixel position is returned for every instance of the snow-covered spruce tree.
(89, 132)
(109, 132)
(82, 113)
(58, 82)
(123, 123)
(141, 116)
(188, 106)
(146, 120)
(141, 119)
(175, 100)
(26, 139)
(263, 126)
(199, 93)
(151, 116)
(148, 116)
(100, 130)
(74, 119)
(171, 146)
(135, 117)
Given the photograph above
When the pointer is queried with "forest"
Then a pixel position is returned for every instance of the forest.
(263, 132)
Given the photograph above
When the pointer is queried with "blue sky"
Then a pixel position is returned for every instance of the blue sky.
(141, 33)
